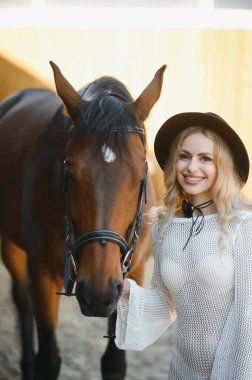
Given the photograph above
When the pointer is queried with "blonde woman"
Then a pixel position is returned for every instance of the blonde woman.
(202, 258)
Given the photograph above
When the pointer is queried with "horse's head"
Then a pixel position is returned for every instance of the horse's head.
(105, 177)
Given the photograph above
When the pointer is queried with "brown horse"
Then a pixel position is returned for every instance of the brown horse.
(73, 184)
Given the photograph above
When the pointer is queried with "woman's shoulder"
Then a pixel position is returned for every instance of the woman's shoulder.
(242, 229)
(157, 226)
(162, 226)
(243, 222)
(243, 215)
(158, 229)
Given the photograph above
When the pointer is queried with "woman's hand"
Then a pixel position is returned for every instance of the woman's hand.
(126, 288)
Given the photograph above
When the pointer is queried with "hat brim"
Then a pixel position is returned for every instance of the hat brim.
(178, 123)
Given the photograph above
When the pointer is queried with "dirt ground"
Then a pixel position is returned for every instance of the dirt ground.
(81, 343)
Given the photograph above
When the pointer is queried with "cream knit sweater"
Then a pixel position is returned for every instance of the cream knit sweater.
(209, 293)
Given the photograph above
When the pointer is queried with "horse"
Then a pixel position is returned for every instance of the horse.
(72, 202)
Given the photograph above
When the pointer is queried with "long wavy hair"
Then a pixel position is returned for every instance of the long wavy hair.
(226, 191)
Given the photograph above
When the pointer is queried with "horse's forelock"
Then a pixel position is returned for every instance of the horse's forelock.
(105, 85)
(105, 112)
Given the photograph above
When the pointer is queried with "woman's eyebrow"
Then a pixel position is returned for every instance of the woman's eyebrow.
(205, 154)
(199, 154)
(185, 151)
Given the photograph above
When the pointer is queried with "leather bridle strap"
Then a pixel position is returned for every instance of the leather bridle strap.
(103, 236)
(69, 276)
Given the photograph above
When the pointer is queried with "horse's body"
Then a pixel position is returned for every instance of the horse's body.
(103, 171)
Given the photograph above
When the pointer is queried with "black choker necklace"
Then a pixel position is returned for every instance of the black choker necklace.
(188, 210)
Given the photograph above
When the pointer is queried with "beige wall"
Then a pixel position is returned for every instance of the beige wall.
(13, 77)
(207, 70)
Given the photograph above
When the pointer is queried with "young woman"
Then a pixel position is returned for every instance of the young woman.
(202, 255)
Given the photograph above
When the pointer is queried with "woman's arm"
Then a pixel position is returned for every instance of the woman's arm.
(143, 314)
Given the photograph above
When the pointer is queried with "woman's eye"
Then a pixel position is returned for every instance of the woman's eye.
(184, 156)
(207, 158)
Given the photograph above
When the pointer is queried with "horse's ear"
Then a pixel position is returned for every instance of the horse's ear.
(144, 103)
(66, 92)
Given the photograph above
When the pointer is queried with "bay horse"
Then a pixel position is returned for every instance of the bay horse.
(73, 177)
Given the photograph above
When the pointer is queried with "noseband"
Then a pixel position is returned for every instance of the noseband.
(102, 235)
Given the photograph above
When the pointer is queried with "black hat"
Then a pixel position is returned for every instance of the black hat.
(178, 123)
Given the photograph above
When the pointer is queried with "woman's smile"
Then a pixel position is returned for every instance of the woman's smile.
(191, 180)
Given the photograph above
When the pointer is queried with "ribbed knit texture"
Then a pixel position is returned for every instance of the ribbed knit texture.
(210, 293)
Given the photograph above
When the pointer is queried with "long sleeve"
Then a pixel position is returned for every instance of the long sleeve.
(234, 356)
(143, 318)
(242, 363)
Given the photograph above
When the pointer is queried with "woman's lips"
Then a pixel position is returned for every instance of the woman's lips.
(193, 180)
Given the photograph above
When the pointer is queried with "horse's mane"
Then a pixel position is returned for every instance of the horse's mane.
(104, 113)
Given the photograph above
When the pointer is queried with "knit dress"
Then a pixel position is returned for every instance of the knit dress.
(208, 292)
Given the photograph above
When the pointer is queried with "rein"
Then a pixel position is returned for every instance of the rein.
(101, 235)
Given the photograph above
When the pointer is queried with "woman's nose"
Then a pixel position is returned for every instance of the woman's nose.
(192, 166)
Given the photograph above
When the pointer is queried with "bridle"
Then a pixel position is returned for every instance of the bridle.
(101, 235)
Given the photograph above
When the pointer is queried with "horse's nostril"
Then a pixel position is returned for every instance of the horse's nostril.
(119, 288)
(115, 288)
(94, 303)
(83, 293)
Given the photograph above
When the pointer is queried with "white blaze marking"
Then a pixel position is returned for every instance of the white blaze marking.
(108, 154)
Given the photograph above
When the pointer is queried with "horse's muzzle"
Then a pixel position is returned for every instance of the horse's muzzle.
(98, 305)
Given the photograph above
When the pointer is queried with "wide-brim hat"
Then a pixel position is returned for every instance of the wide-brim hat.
(178, 123)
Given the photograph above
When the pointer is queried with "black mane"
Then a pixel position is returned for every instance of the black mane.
(105, 114)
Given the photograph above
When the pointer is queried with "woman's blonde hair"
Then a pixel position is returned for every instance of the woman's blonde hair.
(226, 191)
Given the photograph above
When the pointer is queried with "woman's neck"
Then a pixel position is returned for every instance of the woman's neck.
(197, 200)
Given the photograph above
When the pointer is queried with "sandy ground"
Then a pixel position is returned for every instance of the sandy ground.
(81, 343)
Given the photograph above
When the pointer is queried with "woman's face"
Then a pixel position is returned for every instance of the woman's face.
(195, 167)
